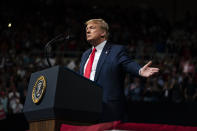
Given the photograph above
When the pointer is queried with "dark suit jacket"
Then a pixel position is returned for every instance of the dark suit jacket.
(111, 69)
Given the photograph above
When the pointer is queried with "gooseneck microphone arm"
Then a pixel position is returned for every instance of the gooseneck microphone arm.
(60, 37)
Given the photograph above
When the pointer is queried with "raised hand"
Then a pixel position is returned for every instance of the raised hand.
(147, 71)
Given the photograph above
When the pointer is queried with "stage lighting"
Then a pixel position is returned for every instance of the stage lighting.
(9, 24)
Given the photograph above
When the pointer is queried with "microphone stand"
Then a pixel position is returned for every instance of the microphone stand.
(47, 47)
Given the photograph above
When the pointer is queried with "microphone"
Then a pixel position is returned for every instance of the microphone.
(47, 47)
(60, 37)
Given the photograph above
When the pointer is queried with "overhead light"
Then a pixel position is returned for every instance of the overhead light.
(9, 24)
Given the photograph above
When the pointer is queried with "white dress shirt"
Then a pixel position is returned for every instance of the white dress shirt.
(99, 49)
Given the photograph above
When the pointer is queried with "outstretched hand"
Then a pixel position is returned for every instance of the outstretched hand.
(147, 71)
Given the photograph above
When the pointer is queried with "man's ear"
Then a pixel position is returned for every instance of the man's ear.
(103, 34)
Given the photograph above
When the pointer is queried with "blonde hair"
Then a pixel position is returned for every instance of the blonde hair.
(102, 24)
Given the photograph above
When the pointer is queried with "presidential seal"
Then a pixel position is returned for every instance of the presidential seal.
(39, 89)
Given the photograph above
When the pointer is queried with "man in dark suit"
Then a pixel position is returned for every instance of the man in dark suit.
(107, 64)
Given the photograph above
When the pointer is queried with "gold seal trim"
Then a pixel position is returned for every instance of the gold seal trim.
(39, 89)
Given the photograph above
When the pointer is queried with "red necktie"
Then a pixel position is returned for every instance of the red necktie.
(89, 65)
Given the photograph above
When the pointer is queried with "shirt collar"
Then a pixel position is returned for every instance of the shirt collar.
(100, 46)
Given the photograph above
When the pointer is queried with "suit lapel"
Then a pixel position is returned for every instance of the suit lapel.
(102, 59)
(84, 60)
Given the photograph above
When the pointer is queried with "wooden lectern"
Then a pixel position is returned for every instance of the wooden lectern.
(58, 95)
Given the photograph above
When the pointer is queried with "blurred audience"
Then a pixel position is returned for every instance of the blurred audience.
(148, 36)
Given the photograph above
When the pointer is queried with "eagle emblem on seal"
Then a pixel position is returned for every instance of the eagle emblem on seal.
(39, 89)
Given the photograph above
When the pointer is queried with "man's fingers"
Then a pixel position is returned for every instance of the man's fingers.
(148, 64)
(154, 69)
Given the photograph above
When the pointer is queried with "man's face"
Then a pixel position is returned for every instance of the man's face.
(94, 32)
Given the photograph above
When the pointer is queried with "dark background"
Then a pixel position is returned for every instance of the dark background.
(163, 31)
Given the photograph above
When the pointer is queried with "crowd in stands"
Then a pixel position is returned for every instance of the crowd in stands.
(147, 34)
